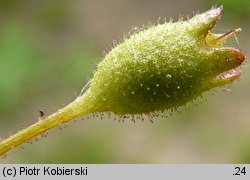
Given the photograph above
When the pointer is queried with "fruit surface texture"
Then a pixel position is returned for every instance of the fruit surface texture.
(165, 66)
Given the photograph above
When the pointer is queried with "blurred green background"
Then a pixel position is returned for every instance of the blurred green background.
(47, 52)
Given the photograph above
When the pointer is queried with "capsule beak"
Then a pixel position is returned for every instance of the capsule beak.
(240, 56)
(224, 60)
(202, 23)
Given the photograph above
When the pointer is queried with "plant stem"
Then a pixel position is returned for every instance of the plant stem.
(75, 109)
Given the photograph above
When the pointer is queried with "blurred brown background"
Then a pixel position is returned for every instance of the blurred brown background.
(47, 51)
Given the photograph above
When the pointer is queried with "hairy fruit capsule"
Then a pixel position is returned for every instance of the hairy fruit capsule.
(165, 66)
(157, 69)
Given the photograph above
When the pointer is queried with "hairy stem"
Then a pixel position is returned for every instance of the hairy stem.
(75, 109)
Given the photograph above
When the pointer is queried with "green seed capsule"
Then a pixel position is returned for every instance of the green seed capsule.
(164, 67)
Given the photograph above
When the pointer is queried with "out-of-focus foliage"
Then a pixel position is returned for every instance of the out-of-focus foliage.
(244, 155)
(18, 67)
(54, 15)
(236, 9)
(9, 3)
